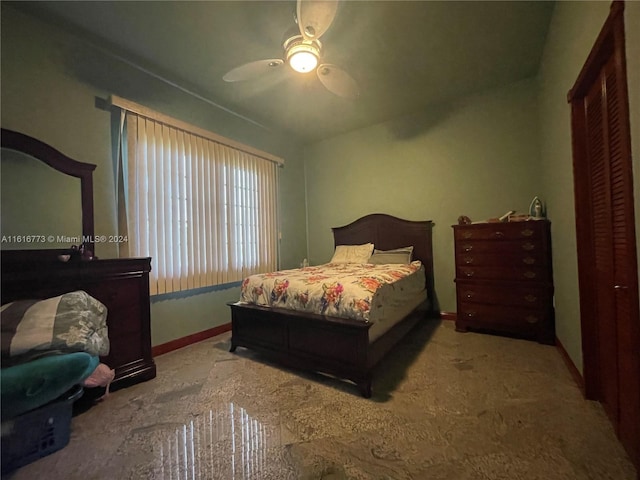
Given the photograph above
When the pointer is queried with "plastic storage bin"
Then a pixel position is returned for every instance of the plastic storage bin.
(38, 433)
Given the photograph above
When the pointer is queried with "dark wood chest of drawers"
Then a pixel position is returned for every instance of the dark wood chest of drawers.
(504, 279)
(122, 285)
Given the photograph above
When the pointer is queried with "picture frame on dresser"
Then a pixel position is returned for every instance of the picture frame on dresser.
(504, 279)
(121, 284)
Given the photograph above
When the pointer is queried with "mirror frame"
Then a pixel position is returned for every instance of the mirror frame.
(58, 161)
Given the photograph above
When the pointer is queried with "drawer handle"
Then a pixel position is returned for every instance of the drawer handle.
(470, 314)
(469, 273)
(467, 234)
(527, 232)
(528, 246)
(469, 294)
(529, 274)
(467, 248)
(530, 298)
(531, 319)
(468, 260)
(498, 234)
(529, 260)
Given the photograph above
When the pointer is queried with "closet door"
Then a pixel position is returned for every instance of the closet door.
(607, 257)
(599, 176)
(623, 249)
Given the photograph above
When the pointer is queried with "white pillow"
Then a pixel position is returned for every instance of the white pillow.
(352, 253)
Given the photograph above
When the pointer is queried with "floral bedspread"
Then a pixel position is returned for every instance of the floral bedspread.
(341, 290)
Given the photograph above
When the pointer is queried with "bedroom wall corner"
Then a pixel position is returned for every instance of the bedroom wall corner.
(293, 210)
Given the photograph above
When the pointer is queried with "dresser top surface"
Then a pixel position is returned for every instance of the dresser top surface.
(515, 225)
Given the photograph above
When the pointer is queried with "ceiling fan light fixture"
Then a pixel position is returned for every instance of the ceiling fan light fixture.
(303, 51)
(303, 56)
(303, 62)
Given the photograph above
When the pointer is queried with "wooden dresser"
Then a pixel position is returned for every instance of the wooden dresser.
(122, 285)
(504, 280)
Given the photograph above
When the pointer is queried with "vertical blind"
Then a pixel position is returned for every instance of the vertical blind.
(205, 212)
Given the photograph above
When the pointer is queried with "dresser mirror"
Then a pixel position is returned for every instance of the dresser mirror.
(40, 207)
(47, 198)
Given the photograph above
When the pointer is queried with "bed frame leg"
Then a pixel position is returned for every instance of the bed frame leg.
(232, 348)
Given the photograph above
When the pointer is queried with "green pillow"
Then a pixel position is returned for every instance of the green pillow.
(33, 384)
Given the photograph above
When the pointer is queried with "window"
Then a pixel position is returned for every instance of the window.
(206, 212)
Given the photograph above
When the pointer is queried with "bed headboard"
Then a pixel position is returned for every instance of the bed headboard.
(387, 232)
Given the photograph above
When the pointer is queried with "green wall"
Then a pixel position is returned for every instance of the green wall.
(51, 85)
(477, 156)
(573, 31)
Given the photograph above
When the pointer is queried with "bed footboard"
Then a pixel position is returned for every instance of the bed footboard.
(319, 343)
(325, 344)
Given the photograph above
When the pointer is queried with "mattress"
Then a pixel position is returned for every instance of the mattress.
(396, 305)
(377, 294)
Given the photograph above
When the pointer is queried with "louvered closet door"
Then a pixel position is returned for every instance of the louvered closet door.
(611, 191)
(601, 207)
(623, 250)
(605, 227)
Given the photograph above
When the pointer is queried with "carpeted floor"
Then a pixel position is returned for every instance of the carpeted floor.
(446, 405)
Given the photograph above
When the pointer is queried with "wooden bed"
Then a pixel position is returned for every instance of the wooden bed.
(337, 346)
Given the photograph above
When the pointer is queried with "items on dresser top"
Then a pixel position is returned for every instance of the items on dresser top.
(504, 280)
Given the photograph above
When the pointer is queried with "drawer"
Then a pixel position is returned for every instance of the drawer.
(488, 246)
(527, 297)
(504, 259)
(527, 273)
(513, 318)
(501, 231)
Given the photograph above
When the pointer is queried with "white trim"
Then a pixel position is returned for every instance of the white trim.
(162, 118)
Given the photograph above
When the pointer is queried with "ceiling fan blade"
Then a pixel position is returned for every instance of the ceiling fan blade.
(315, 17)
(252, 70)
(337, 81)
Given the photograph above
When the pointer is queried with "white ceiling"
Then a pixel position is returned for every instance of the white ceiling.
(405, 56)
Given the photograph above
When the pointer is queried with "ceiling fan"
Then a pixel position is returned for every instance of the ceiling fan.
(303, 51)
